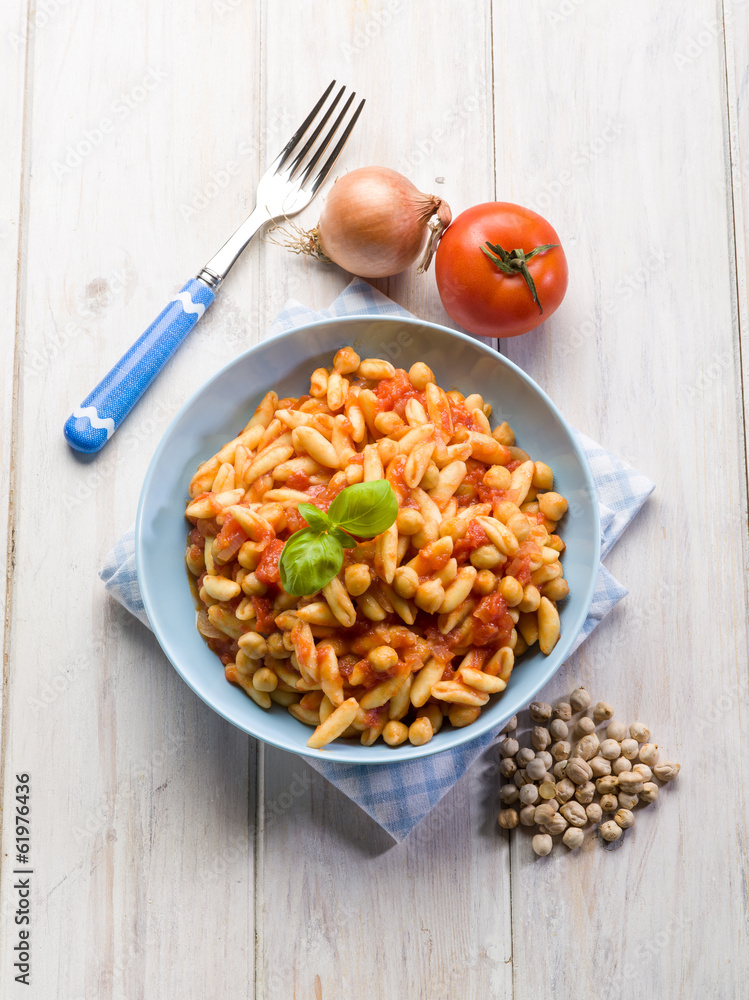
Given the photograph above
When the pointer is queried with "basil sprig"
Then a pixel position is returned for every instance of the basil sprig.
(312, 556)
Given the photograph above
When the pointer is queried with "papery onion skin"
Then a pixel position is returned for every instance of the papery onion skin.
(375, 222)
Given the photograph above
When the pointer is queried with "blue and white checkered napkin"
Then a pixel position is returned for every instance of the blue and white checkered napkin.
(399, 795)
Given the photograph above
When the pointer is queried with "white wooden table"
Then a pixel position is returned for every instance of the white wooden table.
(175, 857)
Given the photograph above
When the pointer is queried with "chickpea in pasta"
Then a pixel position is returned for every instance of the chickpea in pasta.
(425, 621)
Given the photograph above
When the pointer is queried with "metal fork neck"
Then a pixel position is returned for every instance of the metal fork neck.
(222, 262)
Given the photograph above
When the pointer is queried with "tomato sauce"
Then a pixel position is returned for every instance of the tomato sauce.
(267, 569)
(373, 716)
(474, 538)
(511, 466)
(393, 393)
(230, 539)
(298, 480)
(394, 476)
(462, 418)
(491, 494)
(264, 610)
(492, 621)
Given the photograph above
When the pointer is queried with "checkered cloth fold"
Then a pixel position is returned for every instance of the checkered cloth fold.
(399, 795)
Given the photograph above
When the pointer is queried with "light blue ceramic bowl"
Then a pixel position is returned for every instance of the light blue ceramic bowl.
(221, 408)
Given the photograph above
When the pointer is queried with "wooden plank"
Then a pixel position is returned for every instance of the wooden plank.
(143, 797)
(620, 139)
(430, 917)
(13, 172)
(736, 35)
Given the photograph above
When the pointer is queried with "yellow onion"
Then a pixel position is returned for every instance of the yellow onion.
(375, 223)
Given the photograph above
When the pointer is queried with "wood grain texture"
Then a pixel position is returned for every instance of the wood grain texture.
(144, 839)
(173, 856)
(643, 356)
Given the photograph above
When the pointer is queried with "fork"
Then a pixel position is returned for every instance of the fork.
(285, 188)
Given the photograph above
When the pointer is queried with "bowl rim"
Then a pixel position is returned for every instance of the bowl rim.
(394, 754)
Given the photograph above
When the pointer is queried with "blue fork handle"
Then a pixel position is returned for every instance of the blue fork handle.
(100, 414)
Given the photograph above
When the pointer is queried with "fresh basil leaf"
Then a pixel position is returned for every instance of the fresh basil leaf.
(309, 560)
(315, 517)
(365, 509)
(346, 540)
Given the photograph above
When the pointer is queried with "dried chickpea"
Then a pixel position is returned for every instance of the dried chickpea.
(527, 816)
(542, 844)
(394, 732)
(649, 792)
(509, 747)
(511, 725)
(584, 726)
(608, 783)
(535, 769)
(610, 749)
(600, 766)
(508, 819)
(565, 790)
(509, 794)
(630, 782)
(648, 754)
(548, 788)
(561, 750)
(609, 803)
(666, 770)
(558, 729)
(545, 811)
(587, 747)
(546, 757)
(644, 771)
(630, 749)
(556, 825)
(594, 812)
(603, 711)
(540, 737)
(610, 830)
(625, 818)
(507, 767)
(620, 765)
(573, 838)
(640, 732)
(420, 731)
(579, 700)
(616, 731)
(574, 813)
(578, 771)
(521, 779)
(539, 711)
(563, 711)
(529, 794)
(558, 769)
(586, 793)
(524, 756)
(627, 801)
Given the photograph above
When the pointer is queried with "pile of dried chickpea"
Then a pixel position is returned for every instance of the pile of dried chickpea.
(561, 790)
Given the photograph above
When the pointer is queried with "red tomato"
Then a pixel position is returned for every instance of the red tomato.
(476, 292)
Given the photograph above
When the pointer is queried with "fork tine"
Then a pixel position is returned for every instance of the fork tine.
(326, 141)
(286, 151)
(326, 167)
(318, 129)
